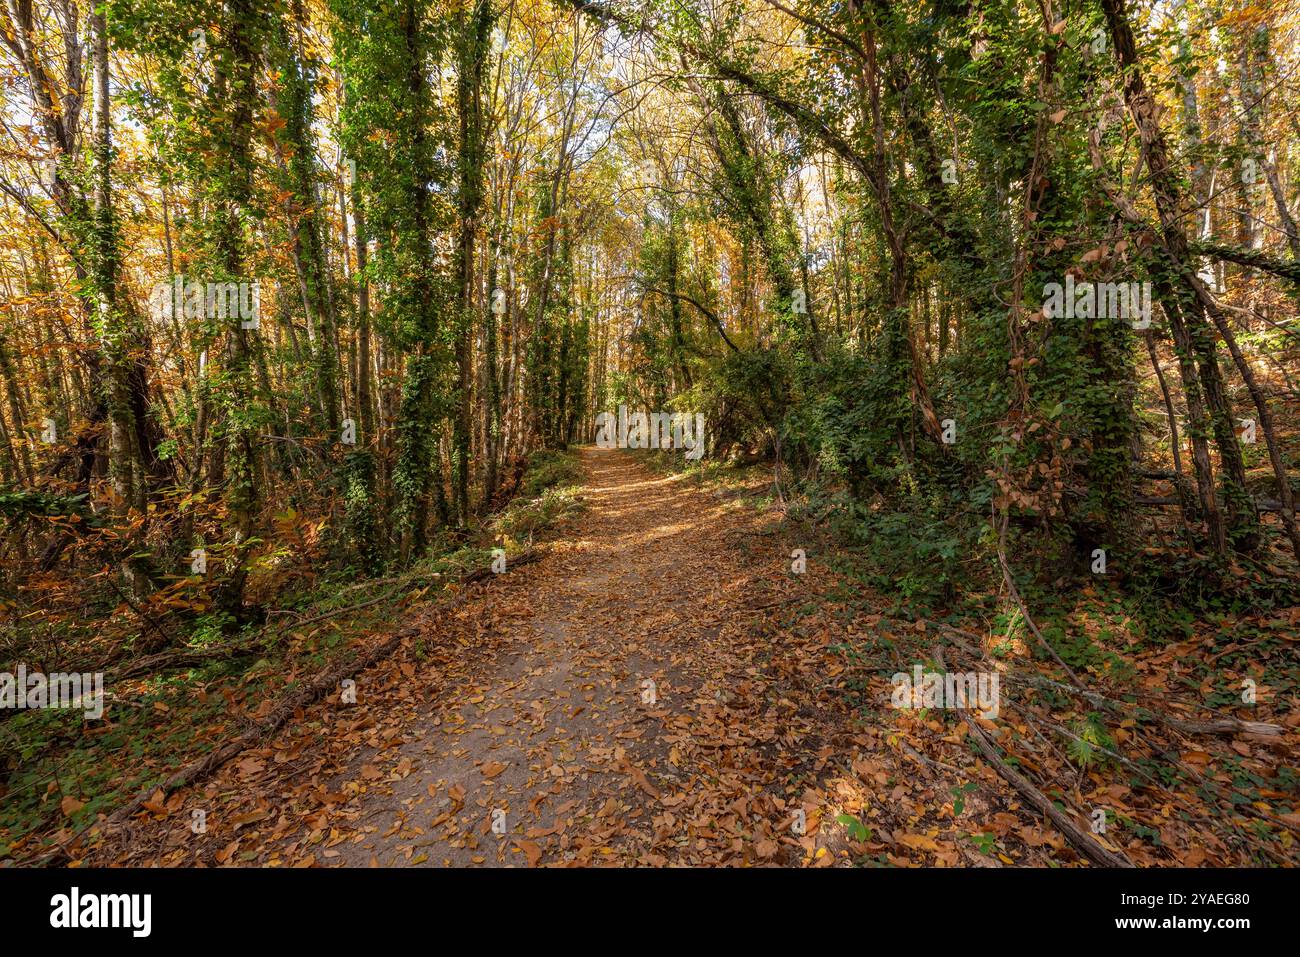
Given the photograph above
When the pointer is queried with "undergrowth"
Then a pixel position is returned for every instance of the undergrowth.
(58, 771)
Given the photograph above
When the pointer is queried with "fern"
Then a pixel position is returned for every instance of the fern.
(1090, 742)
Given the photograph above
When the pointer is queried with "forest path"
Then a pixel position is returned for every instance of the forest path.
(647, 693)
(614, 712)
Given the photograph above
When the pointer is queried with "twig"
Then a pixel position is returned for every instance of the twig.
(288, 706)
(1089, 847)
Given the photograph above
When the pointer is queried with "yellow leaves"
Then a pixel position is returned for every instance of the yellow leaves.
(1252, 15)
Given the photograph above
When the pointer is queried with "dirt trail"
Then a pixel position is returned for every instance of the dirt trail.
(570, 737)
(642, 695)
(658, 689)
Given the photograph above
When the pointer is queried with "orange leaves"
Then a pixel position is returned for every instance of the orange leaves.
(249, 817)
(642, 781)
(920, 842)
(250, 767)
(531, 850)
(523, 709)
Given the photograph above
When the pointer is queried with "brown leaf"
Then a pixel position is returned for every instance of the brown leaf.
(531, 850)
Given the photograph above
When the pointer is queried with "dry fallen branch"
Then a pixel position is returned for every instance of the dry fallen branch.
(1081, 839)
(291, 703)
(1218, 725)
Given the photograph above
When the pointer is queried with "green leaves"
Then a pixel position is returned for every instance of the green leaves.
(959, 796)
(857, 831)
(1089, 738)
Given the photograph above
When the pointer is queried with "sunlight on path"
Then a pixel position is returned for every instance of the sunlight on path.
(630, 699)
